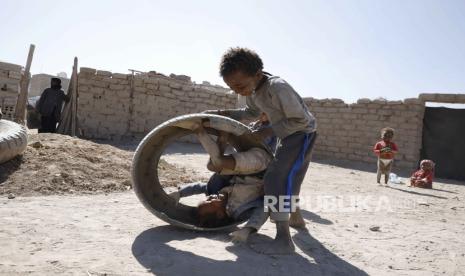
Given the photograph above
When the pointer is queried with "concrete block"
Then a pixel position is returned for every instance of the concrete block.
(103, 73)
(120, 76)
(87, 70)
(14, 75)
(359, 110)
(446, 98)
(428, 97)
(178, 92)
(363, 101)
(175, 85)
(384, 112)
(460, 98)
(4, 75)
(164, 81)
(151, 81)
(140, 89)
(10, 67)
(117, 87)
(100, 84)
(164, 88)
(374, 105)
(414, 101)
(188, 88)
(380, 101)
(370, 117)
(150, 86)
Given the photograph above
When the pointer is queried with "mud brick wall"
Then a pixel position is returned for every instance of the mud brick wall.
(113, 105)
(349, 131)
(10, 77)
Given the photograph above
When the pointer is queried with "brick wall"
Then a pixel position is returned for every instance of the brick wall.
(349, 131)
(112, 105)
(10, 76)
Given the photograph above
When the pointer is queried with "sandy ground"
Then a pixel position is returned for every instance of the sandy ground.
(58, 164)
(420, 232)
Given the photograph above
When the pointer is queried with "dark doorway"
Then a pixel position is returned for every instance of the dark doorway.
(444, 141)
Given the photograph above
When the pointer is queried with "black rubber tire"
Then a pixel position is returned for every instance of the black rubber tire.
(13, 140)
(145, 163)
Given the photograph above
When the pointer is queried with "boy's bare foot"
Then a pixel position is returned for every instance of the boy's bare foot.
(282, 244)
(296, 220)
(241, 235)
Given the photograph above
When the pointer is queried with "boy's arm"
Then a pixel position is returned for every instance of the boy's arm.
(251, 111)
(284, 97)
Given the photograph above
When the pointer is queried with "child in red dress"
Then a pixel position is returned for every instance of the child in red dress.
(385, 150)
(423, 178)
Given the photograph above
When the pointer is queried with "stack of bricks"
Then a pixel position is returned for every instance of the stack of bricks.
(349, 131)
(113, 105)
(10, 77)
(443, 98)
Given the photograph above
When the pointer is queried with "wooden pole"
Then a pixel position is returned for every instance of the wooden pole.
(74, 97)
(20, 110)
(131, 100)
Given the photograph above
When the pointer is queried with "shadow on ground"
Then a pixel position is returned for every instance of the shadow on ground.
(9, 167)
(360, 166)
(314, 217)
(417, 192)
(152, 249)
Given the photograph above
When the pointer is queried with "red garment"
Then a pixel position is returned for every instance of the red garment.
(383, 145)
(421, 174)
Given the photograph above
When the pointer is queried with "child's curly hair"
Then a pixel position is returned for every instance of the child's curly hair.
(240, 59)
(387, 131)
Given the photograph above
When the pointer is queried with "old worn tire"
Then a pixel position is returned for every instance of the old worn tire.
(145, 163)
(13, 140)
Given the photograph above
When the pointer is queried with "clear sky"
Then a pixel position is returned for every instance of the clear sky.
(325, 49)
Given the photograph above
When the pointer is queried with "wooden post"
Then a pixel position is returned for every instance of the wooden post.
(131, 101)
(74, 99)
(20, 110)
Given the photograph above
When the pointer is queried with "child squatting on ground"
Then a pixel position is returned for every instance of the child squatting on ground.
(423, 178)
(385, 150)
(291, 122)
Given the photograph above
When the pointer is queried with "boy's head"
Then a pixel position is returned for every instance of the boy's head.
(241, 70)
(212, 212)
(427, 165)
(387, 134)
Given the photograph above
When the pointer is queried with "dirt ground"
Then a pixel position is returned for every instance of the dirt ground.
(59, 164)
(355, 227)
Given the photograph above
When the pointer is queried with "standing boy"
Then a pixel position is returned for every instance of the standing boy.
(291, 122)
